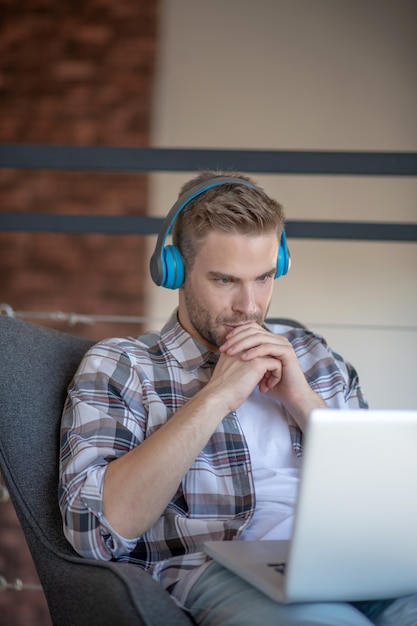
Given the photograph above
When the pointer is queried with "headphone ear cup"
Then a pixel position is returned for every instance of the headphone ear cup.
(173, 268)
(284, 259)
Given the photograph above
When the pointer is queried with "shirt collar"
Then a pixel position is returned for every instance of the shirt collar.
(189, 352)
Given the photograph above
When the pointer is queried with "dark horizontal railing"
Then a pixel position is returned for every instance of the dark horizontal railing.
(141, 225)
(119, 159)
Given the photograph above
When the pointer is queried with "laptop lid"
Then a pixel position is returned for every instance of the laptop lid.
(355, 532)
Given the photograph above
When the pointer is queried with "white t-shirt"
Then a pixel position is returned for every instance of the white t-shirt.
(275, 467)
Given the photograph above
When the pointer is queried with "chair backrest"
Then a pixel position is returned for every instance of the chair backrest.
(285, 321)
(36, 366)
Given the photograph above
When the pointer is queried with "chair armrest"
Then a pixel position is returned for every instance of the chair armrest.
(82, 592)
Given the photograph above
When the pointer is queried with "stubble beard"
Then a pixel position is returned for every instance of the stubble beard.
(212, 330)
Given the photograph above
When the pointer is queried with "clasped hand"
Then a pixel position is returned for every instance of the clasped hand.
(250, 356)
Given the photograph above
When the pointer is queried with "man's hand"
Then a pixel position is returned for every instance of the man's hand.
(282, 375)
(234, 378)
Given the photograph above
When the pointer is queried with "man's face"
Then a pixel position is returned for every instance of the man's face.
(230, 283)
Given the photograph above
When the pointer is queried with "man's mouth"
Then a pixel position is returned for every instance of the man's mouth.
(232, 325)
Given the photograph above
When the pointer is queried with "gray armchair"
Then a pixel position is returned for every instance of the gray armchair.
(36, 365)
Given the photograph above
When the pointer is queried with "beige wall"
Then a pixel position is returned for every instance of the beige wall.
(308, 74)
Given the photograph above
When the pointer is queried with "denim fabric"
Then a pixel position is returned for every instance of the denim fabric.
(220, 598)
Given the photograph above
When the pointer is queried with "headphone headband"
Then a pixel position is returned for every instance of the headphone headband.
(166, 264)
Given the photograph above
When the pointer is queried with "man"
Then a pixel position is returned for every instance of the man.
(195, 433)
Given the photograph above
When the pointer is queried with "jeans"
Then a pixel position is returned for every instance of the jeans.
(219, 598)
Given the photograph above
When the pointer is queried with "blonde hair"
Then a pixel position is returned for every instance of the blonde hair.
(229, 208)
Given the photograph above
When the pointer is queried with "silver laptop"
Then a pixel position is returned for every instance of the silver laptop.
(355, 531)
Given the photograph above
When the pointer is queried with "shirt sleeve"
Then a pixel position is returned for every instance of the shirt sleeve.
(353, 394)
(327, 372)
(103, 418)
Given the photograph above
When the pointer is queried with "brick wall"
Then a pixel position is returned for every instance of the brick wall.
(80, 74)
(77, 74)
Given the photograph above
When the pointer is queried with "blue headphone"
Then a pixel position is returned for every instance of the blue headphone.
(167, 266)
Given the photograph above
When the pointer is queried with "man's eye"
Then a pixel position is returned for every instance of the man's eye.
(265, 278)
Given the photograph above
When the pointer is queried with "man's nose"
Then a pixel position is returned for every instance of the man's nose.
(245, 301)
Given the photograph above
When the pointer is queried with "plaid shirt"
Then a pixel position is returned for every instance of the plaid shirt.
(124, 390)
